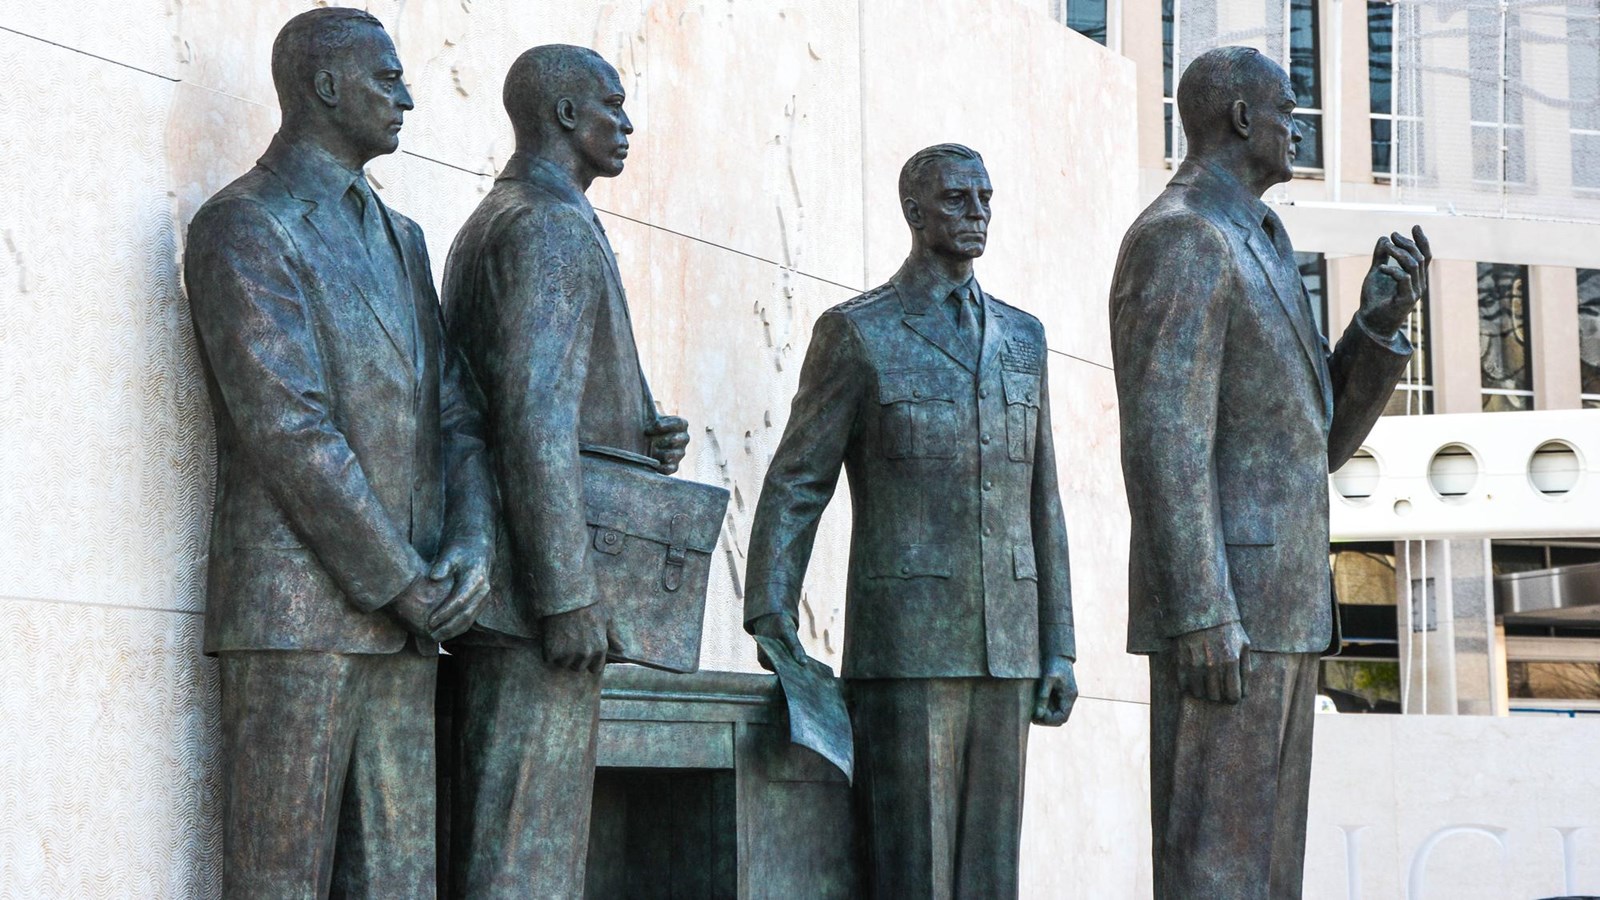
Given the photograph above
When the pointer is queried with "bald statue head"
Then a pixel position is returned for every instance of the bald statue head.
(1237, 109)
(944, 195)
(565, 104)
(339, 83)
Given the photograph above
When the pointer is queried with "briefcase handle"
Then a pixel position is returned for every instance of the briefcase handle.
(620, 455)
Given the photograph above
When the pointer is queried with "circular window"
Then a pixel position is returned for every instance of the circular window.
(1554, 468)
(1358, 478)
(1453, 471)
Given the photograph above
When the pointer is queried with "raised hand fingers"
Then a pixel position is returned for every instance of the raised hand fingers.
(1422, 243)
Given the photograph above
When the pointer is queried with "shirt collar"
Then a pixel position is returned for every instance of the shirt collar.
(1225, 190)
(535, 170)
(310, 172)
(922, 286)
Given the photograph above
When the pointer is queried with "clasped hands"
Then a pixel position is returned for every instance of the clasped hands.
(1056, 692)
(442, 602)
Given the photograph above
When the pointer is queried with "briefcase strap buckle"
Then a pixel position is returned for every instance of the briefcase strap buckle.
(677, 554)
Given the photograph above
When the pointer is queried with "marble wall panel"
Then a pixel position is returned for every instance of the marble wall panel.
(1086, 823)
(136, 33)
(754, 129)
(1053, 115)
(105, 455)
(109, 783)
(721, 337)
(1083, 408)
(1453, 807)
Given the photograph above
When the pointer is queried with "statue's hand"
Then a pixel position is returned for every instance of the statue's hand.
(466, 563)
(414, 605)
(1211, 662)
(577, 639)
(1058, 690)
(778, 627)
(1397, 280)
(669, 435)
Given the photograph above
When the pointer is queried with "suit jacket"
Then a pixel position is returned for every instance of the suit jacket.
(534, 301)
(1233, 412)
(958, 552)
(347, 452)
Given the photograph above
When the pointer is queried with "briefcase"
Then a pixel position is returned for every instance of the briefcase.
(651, 537)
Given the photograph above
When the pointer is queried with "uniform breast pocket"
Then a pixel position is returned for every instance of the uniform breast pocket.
(918, 413)
(1022, 414)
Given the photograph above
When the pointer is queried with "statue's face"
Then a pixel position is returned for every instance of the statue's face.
(372, 98)
(1274, 137)
(602, 129)
(953, 203)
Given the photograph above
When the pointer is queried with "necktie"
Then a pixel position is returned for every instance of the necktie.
(967, 318)
(383, 255)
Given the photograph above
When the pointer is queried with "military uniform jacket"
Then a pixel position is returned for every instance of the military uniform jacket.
(347, 448)
(958, 554)
(534, 301)
(1233, 412)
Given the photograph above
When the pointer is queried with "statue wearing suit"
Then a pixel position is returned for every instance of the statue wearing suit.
(353, 508)
(535, 302)
(1233, 412)
(935, 397)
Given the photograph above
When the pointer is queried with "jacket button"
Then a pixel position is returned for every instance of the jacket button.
(905, 570)
(985, 437)
(988, 531)
(983, 394)
(988, 485)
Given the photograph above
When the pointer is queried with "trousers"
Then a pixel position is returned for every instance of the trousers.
(328, 762)
(939, 777)
(1229, 782)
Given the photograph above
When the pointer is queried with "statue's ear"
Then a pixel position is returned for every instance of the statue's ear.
(567, 113)
(1239, 115)
(326, 87)
(913, 212)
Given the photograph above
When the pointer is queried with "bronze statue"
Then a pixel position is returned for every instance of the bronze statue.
(353, 512)
(935, 396)
(534, 299)
(1233, 412)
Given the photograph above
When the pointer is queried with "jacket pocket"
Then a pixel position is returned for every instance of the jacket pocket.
(1023, 564)
(1248, 530)
(914, 561)
(1022, 413)
(918, 413)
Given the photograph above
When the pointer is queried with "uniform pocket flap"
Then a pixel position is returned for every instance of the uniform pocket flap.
(916, 561)
(1248, 531)
(1021, 387)
(922, 384)
(1024, 566)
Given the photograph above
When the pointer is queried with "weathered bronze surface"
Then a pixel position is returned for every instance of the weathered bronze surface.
(534, 300)
(353, 507)
(935, 397)
(1233, 412)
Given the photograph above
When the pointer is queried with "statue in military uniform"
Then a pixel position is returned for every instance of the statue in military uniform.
(354, 510)
(935, 397)
(534, 300)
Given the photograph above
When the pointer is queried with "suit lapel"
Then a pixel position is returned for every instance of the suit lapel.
(993, 331)
(1291, 297)
(357, 270)
(937, 329)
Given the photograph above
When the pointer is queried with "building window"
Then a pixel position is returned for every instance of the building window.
(1305, 73)
(1583, 75)
(1589, 335)
(1494, 62)
(1295, 20)
(1504, 353)
(1380, 78)
(1314, 272)
(1168, 79)
(1086, 17)
(1413, 396)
